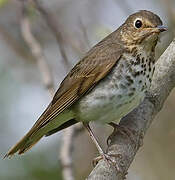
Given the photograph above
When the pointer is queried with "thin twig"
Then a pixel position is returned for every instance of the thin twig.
(66, 154)
(36, 51)
(52, 24)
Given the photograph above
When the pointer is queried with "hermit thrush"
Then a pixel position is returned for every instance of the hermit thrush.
(108, 83)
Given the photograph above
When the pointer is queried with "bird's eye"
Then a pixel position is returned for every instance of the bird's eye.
(138, 24)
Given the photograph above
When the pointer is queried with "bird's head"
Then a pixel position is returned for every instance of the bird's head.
(141, 28)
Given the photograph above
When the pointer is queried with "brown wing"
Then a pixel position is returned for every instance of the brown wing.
(85, 75)
(88, 72)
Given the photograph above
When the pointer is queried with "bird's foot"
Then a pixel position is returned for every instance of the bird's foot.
(123, 130)
(109, 159)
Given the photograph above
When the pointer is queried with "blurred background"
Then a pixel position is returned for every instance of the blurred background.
(64, 31)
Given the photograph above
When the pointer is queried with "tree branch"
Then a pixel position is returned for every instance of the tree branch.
(66, 154)
(52, 24)
(15, 45)
(139, 120)
(36, 51)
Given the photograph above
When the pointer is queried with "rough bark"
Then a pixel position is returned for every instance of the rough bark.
(139, 120)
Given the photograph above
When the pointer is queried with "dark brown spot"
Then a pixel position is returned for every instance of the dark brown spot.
(132, 62)
(150, 80)
(138, 55)
(129, 79)
(128, 84)
(134, 51)
(136, 63)
(131, 94)
(149, 69)
(143, 87)
(140, 81)
(137, 60)
(141, 72)
(133, 89)
(147, 76)
(149, 64)
(142, 60)
(136, 73)
(134, 54)
(153, 69)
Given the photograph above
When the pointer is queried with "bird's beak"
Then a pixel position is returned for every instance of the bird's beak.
(162, 28)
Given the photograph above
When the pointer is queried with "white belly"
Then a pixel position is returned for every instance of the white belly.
(105, 108)
(113, 98)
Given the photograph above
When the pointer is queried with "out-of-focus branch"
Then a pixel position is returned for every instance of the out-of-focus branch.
(139, 120)
(52, 24)
(66, 154)
(14, 45)
(36, 50)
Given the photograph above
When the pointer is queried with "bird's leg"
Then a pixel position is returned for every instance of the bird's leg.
(103, 155)
(123, 130)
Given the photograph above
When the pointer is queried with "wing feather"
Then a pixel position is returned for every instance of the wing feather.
(98, 62)
(85, 75)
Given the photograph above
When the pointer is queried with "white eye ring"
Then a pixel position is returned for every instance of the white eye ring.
(138, 23)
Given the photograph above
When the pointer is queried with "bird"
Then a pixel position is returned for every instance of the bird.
(105, 85)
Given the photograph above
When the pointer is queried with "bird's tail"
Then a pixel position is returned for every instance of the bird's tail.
(24, 144)
(36, 133)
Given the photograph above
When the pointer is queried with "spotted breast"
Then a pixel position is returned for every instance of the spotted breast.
(120, 92)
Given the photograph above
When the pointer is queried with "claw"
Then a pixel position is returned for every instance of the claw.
(108, 158)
